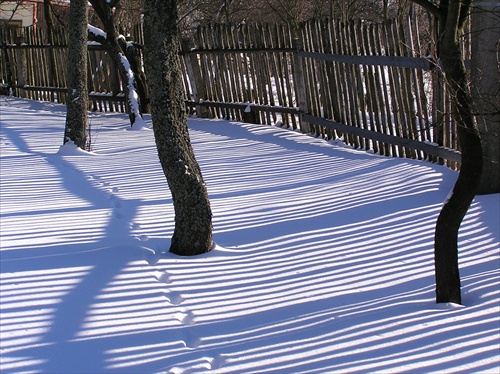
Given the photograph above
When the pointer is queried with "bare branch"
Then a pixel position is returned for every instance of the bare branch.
(430, 6)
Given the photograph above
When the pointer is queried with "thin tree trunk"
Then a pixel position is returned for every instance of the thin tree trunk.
(104, 11)
(134, 59)
(193, 217)
(49, 20)
(454, 210)
(77, 103)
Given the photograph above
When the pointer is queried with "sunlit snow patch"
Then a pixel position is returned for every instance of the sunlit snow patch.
(71, 149)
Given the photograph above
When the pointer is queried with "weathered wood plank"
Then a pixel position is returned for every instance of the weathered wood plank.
(394, 61)
(440, 151)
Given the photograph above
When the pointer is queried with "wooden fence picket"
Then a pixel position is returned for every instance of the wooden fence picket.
(366, 83)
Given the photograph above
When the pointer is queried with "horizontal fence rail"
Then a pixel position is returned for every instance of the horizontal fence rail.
(431, 149)
(394, 61)
(372, 85)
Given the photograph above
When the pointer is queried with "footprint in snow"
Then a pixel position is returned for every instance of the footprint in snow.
(185, 317)
(190, 339)
(143, 238)
(164, 278)
(217, 362)
(153, 259)
(174, 298)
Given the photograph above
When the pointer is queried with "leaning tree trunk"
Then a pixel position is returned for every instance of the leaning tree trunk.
(135, 60)
(454, 210)
(77, 101)
(127, 77)
(104, 10)
(193, 217)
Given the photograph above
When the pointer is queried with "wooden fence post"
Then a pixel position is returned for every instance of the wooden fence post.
(250, 115)
(7, 74)
(195, 79)
(21, 70)
(300, 87)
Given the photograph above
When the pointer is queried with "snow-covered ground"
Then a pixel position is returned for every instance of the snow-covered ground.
(323, 262)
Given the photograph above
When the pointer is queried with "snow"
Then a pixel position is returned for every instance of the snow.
(71, 149)
(323, 260)
(133, 99)
(96, 31)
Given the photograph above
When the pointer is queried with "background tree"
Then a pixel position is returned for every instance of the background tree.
(8, 9)
(451, 16)
(49, 20)
(193, 216)
(195, 12)
(77, 103)
(127, 14)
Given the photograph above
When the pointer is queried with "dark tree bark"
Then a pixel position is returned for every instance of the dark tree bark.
(77, 100)
(104, 11)
(49, 20)
(193, 217)
(451, 15)
(454, 210)
(135, 60)
(485, 78)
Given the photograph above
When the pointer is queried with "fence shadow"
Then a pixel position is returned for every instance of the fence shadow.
(323, 260)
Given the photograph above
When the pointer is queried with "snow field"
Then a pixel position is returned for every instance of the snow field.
(323, 261)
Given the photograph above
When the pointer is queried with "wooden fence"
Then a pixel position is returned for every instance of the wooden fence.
(33, 68)
(366, 83)
(370, 84)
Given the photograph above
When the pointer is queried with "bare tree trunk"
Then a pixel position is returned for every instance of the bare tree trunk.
(454, 210)
(485, 83)
(49, 20)
(193, 216)
(77, 102)
(134, 58)
(104, 10)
